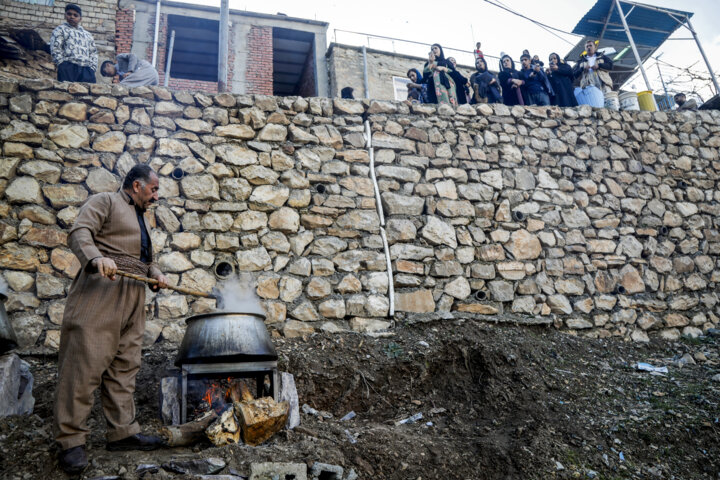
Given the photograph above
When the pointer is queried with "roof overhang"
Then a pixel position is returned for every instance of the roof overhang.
(650, 27)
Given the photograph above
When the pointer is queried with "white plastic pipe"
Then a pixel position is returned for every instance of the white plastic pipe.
(381, 216)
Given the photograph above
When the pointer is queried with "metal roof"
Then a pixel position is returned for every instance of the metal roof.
(650, 27)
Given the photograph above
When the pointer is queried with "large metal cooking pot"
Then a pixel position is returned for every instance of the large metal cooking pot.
(225, 338)
(8, 339)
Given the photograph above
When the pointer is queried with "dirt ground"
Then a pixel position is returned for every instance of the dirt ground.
(497, 402)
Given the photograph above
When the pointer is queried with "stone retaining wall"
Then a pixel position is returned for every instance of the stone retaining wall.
(590, 220)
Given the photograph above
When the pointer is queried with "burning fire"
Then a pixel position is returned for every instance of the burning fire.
(221, 393)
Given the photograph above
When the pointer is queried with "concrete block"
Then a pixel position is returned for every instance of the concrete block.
(277, 470)
(325, 471)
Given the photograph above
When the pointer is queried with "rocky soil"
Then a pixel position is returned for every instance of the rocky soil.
(496, 402)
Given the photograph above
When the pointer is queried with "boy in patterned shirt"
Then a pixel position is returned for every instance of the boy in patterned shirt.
(73, 49)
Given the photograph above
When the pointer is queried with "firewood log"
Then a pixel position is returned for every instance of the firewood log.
(260, 418)
(225, 429)
(188, 433)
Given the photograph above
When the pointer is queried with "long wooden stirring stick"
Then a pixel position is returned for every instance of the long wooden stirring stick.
(152, 281)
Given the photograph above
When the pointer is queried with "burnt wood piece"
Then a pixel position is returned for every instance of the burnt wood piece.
(188, 433)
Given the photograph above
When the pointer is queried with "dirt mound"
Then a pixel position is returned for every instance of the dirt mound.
(496, 402)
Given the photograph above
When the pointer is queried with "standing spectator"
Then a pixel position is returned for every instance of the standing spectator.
(537, 86)
(685, 104)
(560, 75)
(485, 85)
(436, 73)
(73, 49)
(478, 52)
(588, 70)
(417, 90)
(510, 82)
(462, 85)
(131, 71)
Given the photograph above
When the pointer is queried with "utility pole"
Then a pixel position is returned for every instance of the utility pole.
(702, 52)
(657, 62)
(223, 45)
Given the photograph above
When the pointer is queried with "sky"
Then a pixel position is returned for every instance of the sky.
(458, 25)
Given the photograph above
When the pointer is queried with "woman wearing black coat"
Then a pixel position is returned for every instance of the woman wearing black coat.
(461, 83)
(485, 85)
(510, 82)
(560, 75)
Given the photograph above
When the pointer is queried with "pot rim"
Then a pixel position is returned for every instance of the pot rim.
(223, 314)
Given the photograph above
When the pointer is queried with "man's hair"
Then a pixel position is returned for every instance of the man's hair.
(589, 42)
(102, 68)
(141, 172)
(525, 55)
(72, 6)
(346, 92)
(678, 95)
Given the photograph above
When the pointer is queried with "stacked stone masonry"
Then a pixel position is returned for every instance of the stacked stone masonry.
(589, 220)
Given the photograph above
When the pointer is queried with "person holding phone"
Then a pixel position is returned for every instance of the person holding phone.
(436, 73)
(560, 75)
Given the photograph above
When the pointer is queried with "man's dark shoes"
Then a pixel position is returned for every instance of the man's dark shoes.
(136, 442)
(73, 460)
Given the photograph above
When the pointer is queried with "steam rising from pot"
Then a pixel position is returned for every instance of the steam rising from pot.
(238, 295)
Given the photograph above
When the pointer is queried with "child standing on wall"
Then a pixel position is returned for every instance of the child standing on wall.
(478, 52)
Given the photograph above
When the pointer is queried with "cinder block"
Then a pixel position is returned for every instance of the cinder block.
(326, 471)
(272, 470)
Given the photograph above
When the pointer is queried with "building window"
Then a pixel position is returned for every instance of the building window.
(400, 88)
(293, 62)
(49, 3)
(195, 53)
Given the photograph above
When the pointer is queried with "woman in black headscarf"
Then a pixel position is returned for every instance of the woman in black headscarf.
(417, 90)
(560, 75)
(485, 85)
(436, 73)
(461, 83)
(510, 82)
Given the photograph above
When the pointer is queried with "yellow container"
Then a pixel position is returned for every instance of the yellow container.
(647, 101)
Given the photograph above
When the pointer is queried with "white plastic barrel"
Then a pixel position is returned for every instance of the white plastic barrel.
(629, 101)
(612, 100)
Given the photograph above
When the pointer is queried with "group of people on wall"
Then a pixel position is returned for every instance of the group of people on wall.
(532, 84)
(74, 52)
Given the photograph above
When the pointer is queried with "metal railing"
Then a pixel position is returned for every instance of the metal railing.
(403, 46)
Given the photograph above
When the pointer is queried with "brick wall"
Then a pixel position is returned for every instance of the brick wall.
(124, 21)
(182, 83)
(259, 72)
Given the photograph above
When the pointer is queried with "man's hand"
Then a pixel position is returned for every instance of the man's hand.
(105, 266)
(163, 282)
